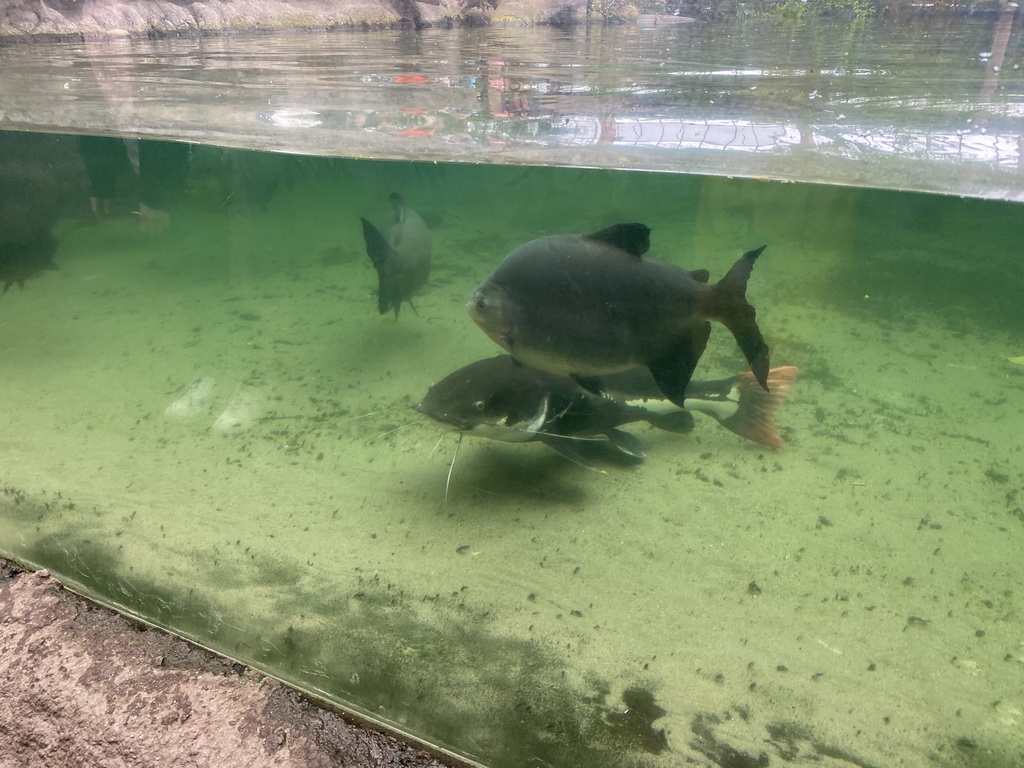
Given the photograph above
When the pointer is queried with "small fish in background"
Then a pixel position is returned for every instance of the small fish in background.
(591, 305)
(21, 261)
(34, 196)
(499, 399)
(401, 253)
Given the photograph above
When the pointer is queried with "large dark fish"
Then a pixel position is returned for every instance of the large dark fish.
(401, 253)
(591, 305)
(502, 400)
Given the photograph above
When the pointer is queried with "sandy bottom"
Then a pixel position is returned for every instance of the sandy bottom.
(83, 686)
(211, 429)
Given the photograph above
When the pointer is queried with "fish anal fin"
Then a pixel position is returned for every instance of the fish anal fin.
(634, 239)
(751, 342)
(673, 370)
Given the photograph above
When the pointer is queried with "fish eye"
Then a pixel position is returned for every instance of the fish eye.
(481, 303)
(479, 405)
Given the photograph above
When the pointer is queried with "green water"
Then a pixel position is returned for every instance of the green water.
(851, 599)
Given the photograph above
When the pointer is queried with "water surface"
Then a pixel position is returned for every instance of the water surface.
(928, 105)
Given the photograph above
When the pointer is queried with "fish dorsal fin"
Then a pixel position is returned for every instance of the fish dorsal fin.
(700, 275)
(634, 239)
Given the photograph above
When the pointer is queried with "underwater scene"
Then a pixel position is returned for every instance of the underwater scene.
(234, 385)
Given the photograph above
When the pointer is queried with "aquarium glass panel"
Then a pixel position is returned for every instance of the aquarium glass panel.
(227, 410)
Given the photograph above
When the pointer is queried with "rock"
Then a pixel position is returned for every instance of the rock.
(528, 12)
(99, 19)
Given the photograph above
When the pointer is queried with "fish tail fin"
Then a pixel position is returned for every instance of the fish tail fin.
(727, 303)
(380, 253)
(754, 417)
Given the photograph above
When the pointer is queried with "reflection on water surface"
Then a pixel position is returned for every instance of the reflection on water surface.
(933, 105)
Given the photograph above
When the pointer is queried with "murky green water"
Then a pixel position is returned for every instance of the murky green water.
(854, 596)
(206, 423)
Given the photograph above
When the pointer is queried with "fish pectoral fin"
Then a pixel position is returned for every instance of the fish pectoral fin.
(627, 444)
(569, 448)
(634, 239)
(673, 370)
(680, 421)
(536, 425)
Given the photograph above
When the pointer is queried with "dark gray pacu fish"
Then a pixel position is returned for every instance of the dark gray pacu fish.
(400, 250)
(591, 305)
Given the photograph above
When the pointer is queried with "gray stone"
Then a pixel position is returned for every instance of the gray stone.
(97, 19)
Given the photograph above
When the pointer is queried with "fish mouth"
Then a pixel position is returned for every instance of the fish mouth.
(476, 305)
(433, 415)
(498, 429)
(489, 307)
(450, 422)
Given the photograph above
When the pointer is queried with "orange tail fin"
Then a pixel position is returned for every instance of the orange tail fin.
(755, 417)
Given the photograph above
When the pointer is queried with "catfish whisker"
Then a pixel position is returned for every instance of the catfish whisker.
(390, 431)
(572, 437)
(451, 467)
(366, 415)
(442, 437)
